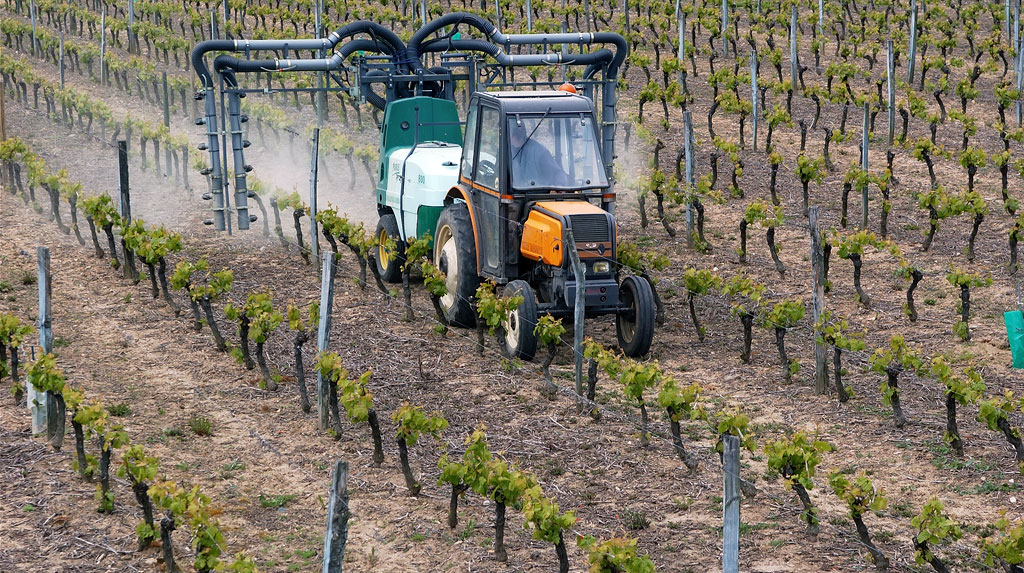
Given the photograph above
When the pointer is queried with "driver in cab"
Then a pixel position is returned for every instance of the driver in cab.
(533, 166)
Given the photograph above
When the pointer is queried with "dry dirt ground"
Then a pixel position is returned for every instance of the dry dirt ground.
(119, 345)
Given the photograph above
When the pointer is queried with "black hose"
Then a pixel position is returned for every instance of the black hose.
(375, 30)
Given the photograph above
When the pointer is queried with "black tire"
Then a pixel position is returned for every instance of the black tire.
(634, 326)
(455, 256)
(389, 265)
(516, 336)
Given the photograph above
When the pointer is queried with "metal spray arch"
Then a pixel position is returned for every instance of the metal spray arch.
(396, 67)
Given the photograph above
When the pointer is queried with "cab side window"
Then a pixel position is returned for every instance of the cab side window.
(486, 172)
(469, 152)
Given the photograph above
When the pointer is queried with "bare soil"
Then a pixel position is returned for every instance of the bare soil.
(122, 347)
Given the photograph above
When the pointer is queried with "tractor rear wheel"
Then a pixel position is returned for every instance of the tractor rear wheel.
(517, 338)
(455, 256)
(389, 262)
(634, 324)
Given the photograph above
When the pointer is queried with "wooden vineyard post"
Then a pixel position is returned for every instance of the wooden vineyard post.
(124, 203)
(818, 289)
(579, 307)
(323, 335)
(124, 197)
(690, 173)
(731, 504)
(37, 400)
(913, 42)
(890, 76)
(314, 238)
(754, 112)
(337, 520)
(864, 166)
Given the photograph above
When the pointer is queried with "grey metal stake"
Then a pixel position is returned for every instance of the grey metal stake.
(731, 499)
(3, 130)
(227, 18)
(821, 18)
(323, 336)
(103, 46)
(579, 307)
(423, 11)
(321, 96)
(131, 26)
(864, 166)
(32, 15)
(60, 59)
(497, 12)
(755, 113)
(313, 174)
(338, 513)
(565, 50)
(213, 25)
(529, 16)
(794, 69)
(911, 58)
(818, 289)
(1006, 20)
(690, 172)
(681, 17)
(167, 102)
(1020, 77)
(725, 27)
(36, 399)
(1016, 23)
(890, 76)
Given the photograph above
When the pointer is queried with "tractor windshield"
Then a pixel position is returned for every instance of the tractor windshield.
(554, 152)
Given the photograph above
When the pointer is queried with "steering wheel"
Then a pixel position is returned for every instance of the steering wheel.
(486, 169)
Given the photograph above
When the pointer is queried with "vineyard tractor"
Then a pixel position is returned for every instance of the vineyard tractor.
(500, 192)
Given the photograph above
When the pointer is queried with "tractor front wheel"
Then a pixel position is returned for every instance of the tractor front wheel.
(389, 261)
(455, 256)
(634, 324)
(518, 339)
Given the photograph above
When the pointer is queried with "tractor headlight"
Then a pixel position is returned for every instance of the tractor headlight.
(601, 267)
